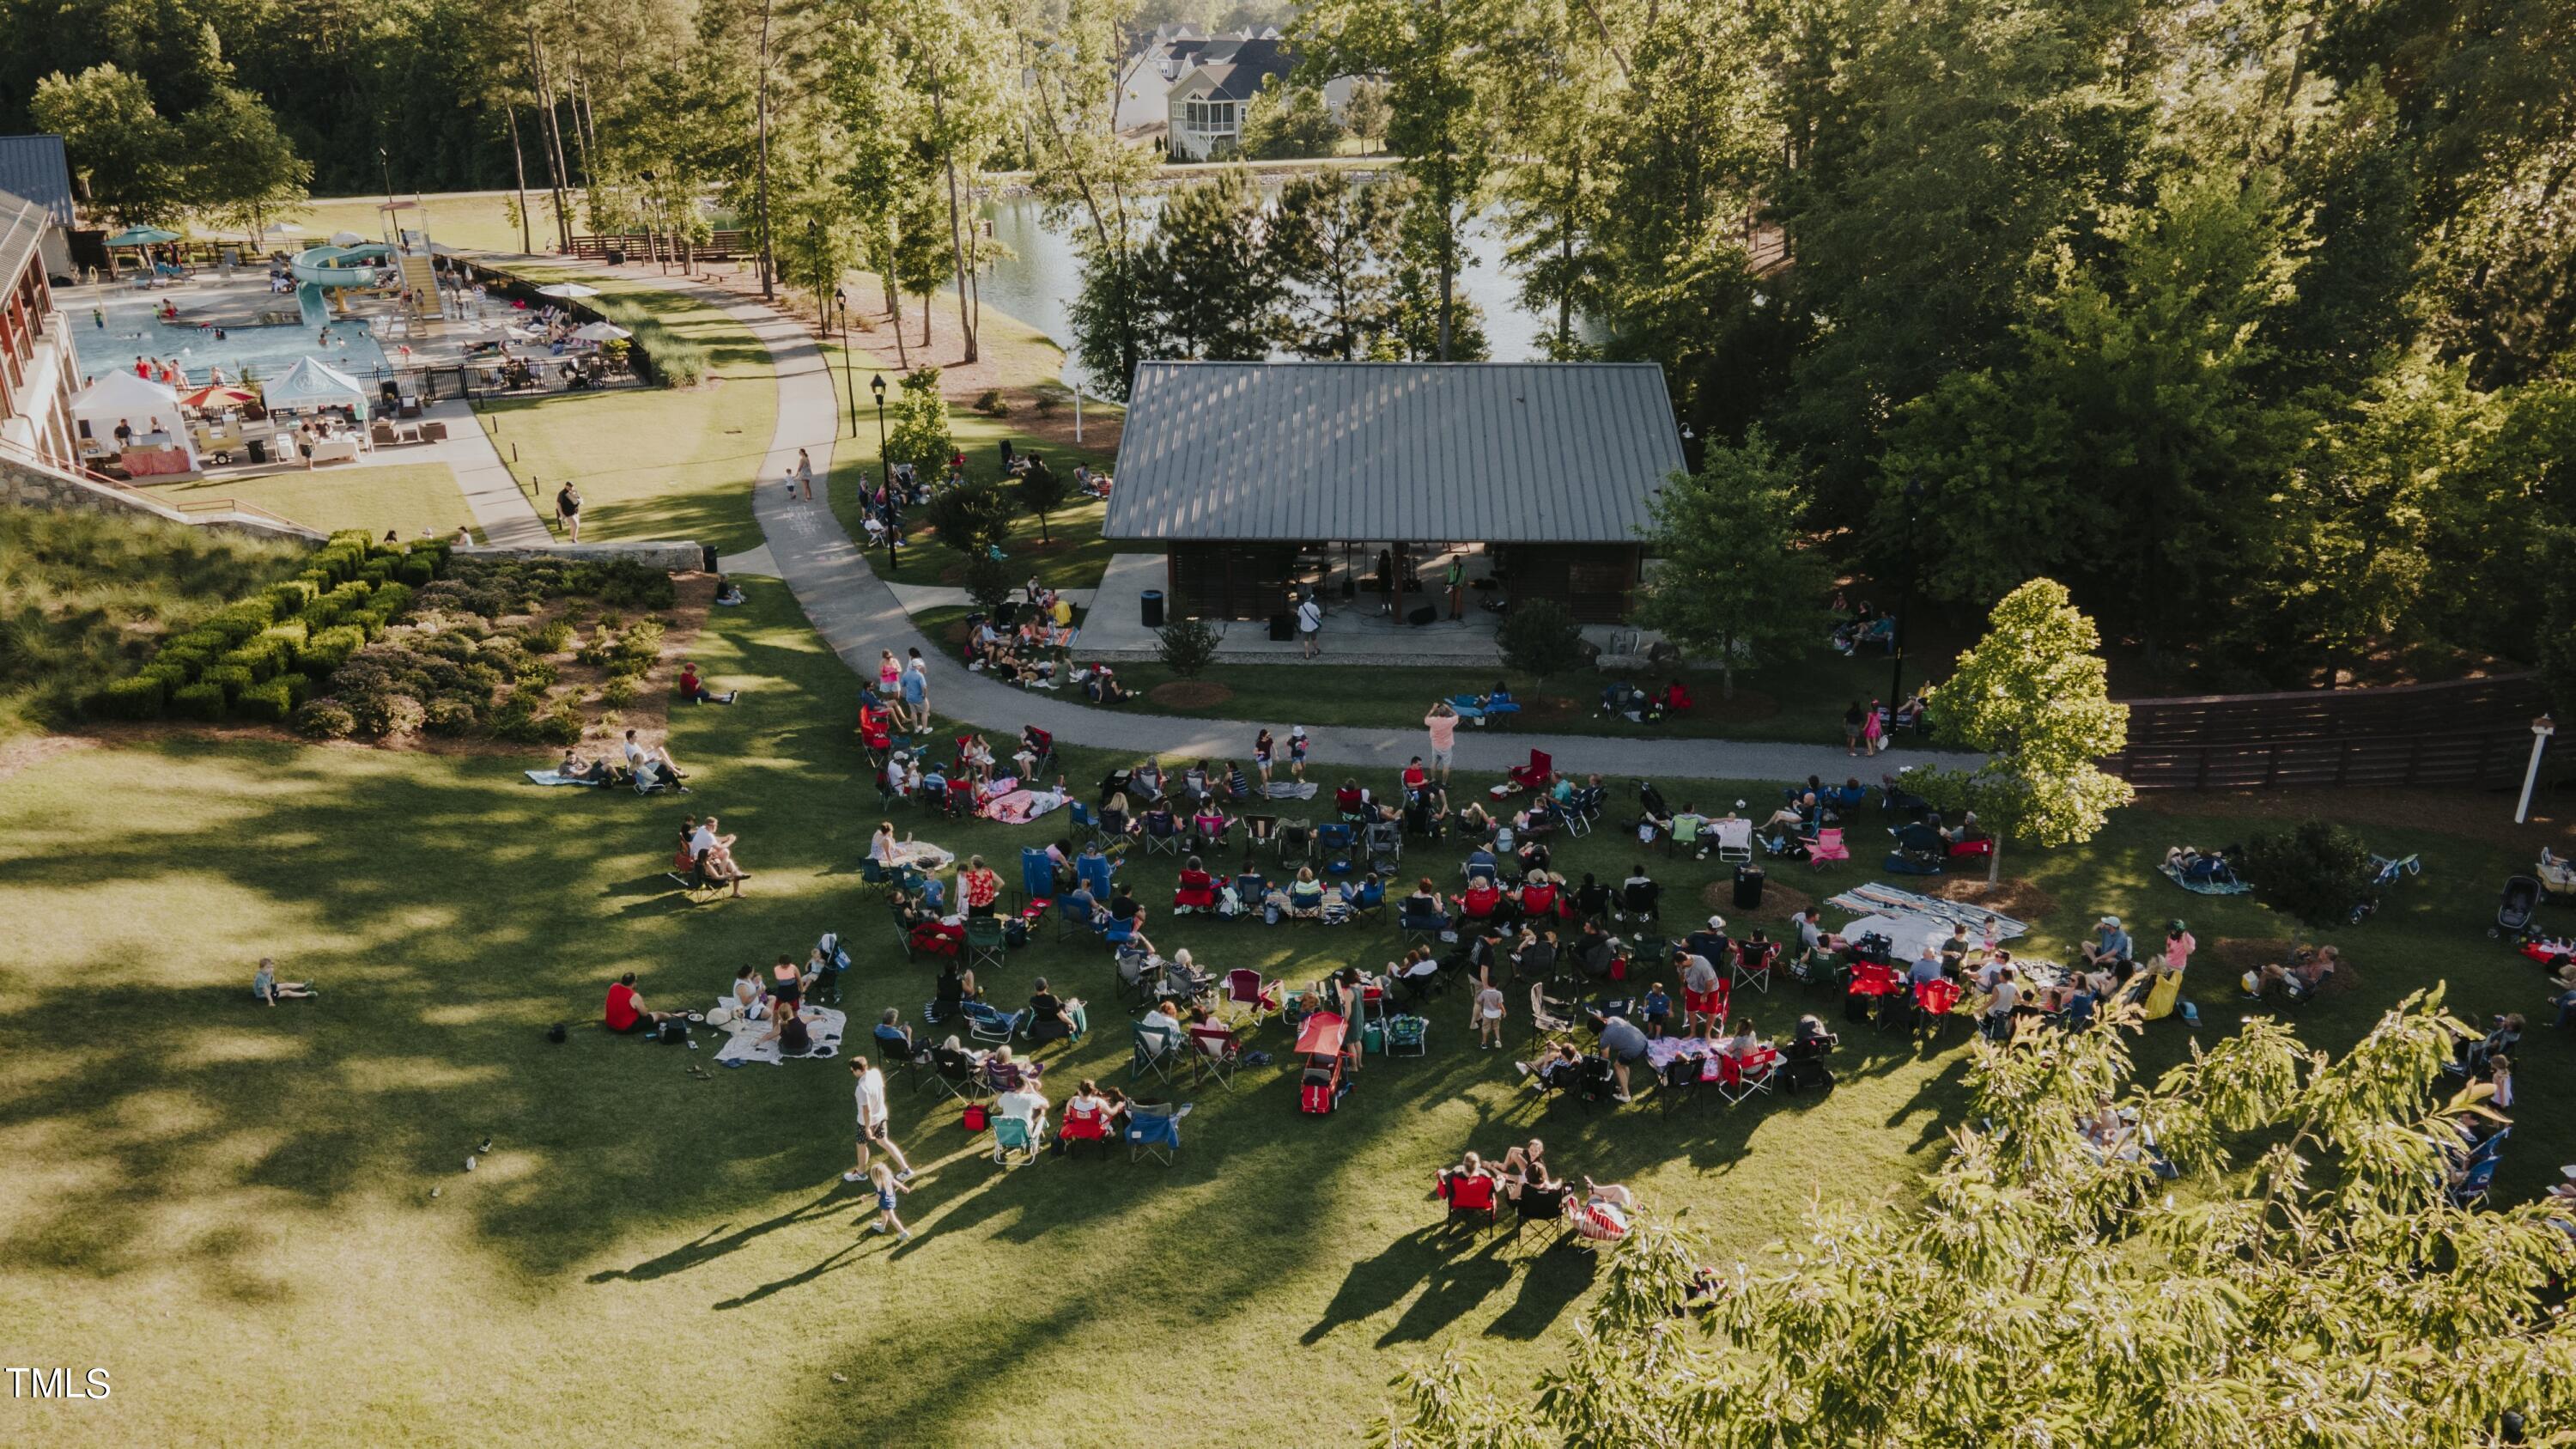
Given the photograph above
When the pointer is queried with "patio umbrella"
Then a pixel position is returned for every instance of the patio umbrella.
(601, 332)
(282, 228)
(142, 236)
(218, 395)
(345, 238)
(567, 290)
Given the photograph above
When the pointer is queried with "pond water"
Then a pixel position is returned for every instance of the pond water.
(1042, 276)
(244, 353)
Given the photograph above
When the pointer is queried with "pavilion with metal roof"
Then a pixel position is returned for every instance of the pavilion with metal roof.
(1251, 475)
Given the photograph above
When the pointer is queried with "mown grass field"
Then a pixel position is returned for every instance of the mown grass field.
(403, 497)
(259, 1220)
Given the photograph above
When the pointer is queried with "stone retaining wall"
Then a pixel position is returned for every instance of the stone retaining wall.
(26, 485)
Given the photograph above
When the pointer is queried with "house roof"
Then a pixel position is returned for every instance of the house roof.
(1510, 452)
(34, 167)
(22, 232)
(1233, 69)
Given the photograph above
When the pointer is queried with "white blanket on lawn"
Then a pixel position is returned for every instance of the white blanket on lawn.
(745, 1045)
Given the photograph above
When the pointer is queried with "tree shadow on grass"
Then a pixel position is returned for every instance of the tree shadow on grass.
(716, 1242)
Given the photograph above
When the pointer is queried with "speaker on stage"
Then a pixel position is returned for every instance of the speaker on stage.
(1424, 615)
(1283, 628)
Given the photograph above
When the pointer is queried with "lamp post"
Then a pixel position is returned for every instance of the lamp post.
(885, 478)
(2541, 729)
(1905, 606)
(849, 384)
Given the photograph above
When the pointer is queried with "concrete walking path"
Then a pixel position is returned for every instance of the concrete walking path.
(858, 615)
(501, 508)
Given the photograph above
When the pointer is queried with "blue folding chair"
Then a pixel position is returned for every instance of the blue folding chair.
(986, 1022)
(1037, 876)
(1094, 871)
(1336, 840)
(1072, 914)
(1153, 1130)
(2474, 1186)
(1162, 835)
(1369, 898)
(1085, 821)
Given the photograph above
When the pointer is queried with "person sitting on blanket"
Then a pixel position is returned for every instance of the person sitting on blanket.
(2109, 943)
(658, 757)
(750, 996)
(573, 767)
(2193, 866)
(2307, 971)
(1103, 687)
(791, 1030)
(695, 691)
(625, 1012)
(922, 924)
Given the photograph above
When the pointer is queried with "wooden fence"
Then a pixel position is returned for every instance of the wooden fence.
(2475, 733)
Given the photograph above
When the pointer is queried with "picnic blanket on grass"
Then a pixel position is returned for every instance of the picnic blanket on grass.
(558, 777)
(1019, 807)
(746, 1047)
(2206, 887)
(1292, 789)
(1886, 900)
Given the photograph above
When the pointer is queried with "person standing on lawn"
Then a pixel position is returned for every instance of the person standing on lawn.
(915, 712)
(1310, 626)
(568, 511)
(887, 1185)
(1442, 723)
(875, 1124)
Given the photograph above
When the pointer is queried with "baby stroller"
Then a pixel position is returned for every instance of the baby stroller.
(2515, 908)
(1320, 1085)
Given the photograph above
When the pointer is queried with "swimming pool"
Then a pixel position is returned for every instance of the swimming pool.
(246, 354)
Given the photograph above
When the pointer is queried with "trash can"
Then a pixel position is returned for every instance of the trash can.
(1153, 608)
(707, 556)
(614, 256)
(1748, 887)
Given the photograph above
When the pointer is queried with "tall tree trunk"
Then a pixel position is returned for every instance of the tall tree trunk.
(956, 236)
(768, 258)
(1565, 258)
(547, 143)
(519, 165)
(1995, 863)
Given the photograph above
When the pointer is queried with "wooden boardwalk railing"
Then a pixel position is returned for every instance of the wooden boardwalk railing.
(2475, 732)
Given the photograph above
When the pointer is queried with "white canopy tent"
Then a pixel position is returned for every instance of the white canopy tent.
(145, 406)
(312, 383)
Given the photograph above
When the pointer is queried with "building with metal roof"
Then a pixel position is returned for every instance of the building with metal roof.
(37, 368)
(35, 168)
(1249, 473)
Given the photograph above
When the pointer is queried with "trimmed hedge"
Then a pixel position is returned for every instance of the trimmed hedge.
(417, 571)
(141, 697)
(198, 701)
(232, 679)
(378, 570)
(290, 597)
(289, 637)
(324, 719)
(330, 648)
(262, 657)
(268, 703)
(298, 687)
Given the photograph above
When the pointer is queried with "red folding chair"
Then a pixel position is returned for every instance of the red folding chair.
(1472, 1201)
(1259, 1001)
(1535, 774)
(1753, 965)
(1933, 1002)
(1085, 1127)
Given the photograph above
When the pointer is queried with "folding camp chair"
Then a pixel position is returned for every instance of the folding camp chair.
(1407, 1036)
(1194, 892)
(2474, 1186)
(900, 1053)
(1336, 840)
(1534, 775)
(1741, 1077)
(1933, 1003)
(984, 936)
(1421, 928)
(1073, 916)
(1010, 1135)
(1296, 840)
(990, 1023)
(1384, 842)
(1037, 880)
(1097, 872)
(955, 1075)
(1824, 846)
(1154, 1130)
(1542, 1205)
(1753, 965)
(1255, 999)
(1368, 898)
(1474, 1201)
(1679, 1081)
(1550, 1014)
(1078, 1128)
(1162, 834)
(1151, 1051)
(1214, 1053)
(1734, 841)
(1085, 822)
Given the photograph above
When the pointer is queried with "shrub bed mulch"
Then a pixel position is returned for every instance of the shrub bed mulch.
(2468, 814)
(1190, 694)
(2012, 896)
(1779, 902)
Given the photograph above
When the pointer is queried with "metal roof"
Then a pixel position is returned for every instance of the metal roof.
(1508, 452)
(34, 167)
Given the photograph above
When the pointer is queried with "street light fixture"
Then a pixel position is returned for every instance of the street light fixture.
(885, 479)
(849, 384)
(1905, 607)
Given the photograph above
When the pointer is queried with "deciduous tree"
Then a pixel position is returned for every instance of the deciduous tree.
(1738, 579)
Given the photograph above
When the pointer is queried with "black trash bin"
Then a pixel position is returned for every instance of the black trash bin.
(1153, 608)
(707, 556)
(614, 256)
(1748, 887)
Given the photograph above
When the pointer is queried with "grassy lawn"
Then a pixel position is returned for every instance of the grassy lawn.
(1074, 556)
(209, 1192)
(462, 219)
(404, 497)
(655, 462)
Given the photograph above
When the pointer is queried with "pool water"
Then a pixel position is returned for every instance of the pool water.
(245, 354)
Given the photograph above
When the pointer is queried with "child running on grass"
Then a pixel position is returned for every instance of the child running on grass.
(884, 1178)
